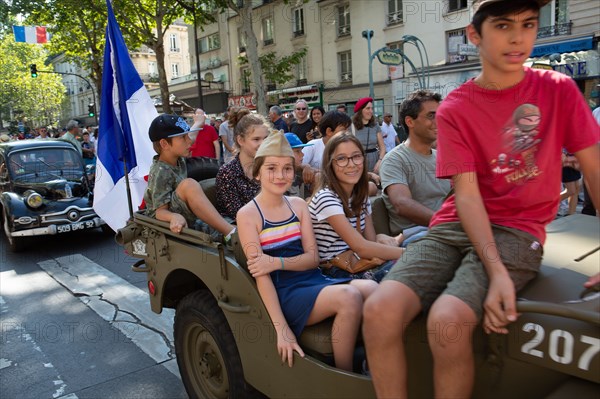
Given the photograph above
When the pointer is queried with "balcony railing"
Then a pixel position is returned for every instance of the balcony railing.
(555, 30)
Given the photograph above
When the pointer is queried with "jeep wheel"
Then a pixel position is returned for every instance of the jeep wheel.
(207, 355)
(15, 244)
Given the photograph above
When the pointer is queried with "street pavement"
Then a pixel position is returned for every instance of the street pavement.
(76, 323)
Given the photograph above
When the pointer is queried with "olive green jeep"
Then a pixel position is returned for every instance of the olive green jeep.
(226, 344)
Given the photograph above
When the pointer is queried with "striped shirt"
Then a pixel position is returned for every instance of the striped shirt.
(324, 204)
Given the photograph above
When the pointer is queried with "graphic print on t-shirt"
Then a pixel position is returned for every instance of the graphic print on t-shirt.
(517, 161)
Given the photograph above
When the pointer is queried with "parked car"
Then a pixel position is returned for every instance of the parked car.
(226, 344)
(44, 190)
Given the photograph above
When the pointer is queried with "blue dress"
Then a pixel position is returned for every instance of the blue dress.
(297, 290)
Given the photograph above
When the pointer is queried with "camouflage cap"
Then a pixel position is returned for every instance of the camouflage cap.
(275, 145)
(479, 5)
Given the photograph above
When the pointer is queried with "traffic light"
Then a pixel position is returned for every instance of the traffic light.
(34, 71)
(91, 110)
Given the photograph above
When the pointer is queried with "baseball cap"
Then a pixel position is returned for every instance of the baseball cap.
(481, 4)
(295, 141)
(166, 125)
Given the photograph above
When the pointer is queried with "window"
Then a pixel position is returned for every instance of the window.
(395, 12)
(245, 74)
(174, 70)
(301, 72)
(267, 31)
(209, 43)
(173, 43)
(345, 60)
(241, 41)
(343, 20)
(453, 40)
(455, 5)
(298, 22)
(396, 71)
(152, 71)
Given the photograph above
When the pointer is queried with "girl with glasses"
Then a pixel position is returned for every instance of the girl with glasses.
(276, 234)
(341, 202)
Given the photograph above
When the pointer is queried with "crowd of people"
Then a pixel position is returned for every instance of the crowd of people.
(298, 192)
(483, 188)
(83, 139)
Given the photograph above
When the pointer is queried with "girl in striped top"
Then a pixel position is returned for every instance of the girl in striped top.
(276, 234)
(340, 202)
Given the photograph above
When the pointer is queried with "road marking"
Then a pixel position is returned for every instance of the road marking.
(26, 337)
(118, 302)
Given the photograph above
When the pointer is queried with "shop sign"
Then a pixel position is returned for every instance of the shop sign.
(247, 100)
(389, 57)
(562, 47)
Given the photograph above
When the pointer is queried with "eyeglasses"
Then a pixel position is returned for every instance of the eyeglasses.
(342, 160)
(300, 109)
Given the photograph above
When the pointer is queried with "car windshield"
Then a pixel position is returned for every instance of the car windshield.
(40, 165)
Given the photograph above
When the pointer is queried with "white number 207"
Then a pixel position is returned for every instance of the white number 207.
(556, 338)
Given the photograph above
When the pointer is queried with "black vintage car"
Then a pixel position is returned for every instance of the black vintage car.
(44, 190)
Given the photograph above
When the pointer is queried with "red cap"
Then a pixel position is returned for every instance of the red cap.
(361, 103)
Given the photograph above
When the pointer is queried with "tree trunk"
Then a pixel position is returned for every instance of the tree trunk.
(252, 54)
(159, 49)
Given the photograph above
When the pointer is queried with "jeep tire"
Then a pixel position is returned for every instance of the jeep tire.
(206, 351)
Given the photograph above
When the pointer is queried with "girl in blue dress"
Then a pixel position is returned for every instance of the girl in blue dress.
(276, 234)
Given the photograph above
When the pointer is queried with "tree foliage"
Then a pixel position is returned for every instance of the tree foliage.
(77, 28)
(147, 21)
(36, 99)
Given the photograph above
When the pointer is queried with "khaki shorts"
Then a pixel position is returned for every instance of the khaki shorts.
(445, 262)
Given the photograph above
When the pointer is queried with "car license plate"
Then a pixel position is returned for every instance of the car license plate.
(65, 228)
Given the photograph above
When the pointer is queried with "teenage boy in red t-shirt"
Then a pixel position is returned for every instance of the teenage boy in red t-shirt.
(500, 138)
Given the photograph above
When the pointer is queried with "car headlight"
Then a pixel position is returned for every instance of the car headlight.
(34, 200)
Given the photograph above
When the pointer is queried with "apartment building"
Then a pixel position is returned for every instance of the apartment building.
(431, 35)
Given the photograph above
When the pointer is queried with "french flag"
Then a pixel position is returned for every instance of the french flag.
(126, 111)
(31, 34)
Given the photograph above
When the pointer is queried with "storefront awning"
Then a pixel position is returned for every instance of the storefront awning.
(566, 46)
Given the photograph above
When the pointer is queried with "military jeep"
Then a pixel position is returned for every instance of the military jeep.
(226, 344)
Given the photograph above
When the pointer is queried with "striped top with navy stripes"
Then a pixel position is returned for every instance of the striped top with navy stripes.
(324, 204)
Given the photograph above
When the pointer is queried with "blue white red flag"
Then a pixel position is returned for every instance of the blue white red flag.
(126, 111)
(31, 34)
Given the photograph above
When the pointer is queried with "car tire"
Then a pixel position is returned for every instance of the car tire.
(15, 244)
(206, 351)
(107, 230)
(202, 168)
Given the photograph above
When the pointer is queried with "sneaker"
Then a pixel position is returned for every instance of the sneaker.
(365, 368)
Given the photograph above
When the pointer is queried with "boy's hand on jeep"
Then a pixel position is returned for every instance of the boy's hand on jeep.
(262, 265)
(177, 223)
(286, 345)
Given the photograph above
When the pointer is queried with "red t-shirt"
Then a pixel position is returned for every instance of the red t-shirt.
(512, 139)
(203, 146)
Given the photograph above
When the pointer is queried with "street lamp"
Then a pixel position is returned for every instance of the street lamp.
(368, 34)
(415, 41)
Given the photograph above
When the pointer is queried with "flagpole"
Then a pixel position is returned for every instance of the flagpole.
(127, 188)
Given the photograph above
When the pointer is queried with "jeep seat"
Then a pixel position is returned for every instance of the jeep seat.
(380, 216)
(210, 189)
